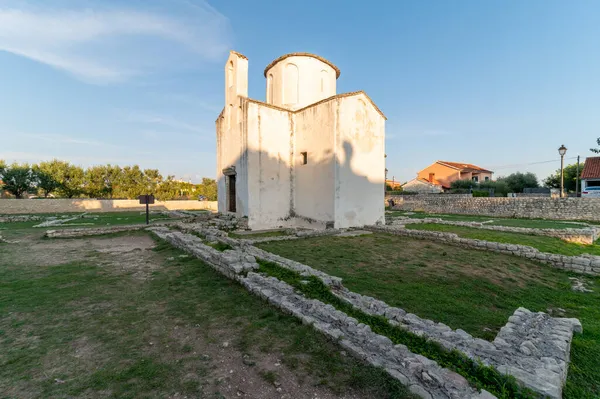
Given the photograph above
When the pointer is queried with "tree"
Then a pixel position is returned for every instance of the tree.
(131, 182)
(45, 180)
(168, 189)
(518, 181)
(500, 187)
(596, 150)
(2, 167)
(570, 177)
(98, 180)
(152, 178)
(208, 188)
(18, 179)
(71, 181)
(463, 184)
(69, 178)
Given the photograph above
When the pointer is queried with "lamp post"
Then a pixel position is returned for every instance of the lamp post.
(385, 178)
(562, 150)
(577, 179)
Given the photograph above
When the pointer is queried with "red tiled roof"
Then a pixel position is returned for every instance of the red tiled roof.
(591, 168)
(465, 167)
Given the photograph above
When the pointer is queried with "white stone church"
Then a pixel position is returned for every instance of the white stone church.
(307, 157)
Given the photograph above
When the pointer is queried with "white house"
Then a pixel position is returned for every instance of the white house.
(590, 177)
(305, 157)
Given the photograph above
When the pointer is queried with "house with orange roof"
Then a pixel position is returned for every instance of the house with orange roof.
(438, 176)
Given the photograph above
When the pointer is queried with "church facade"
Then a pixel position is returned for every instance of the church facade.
(307, 157)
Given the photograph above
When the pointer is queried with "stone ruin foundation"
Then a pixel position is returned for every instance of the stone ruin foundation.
(532, 347)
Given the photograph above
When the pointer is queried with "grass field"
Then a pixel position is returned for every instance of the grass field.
(473, 290)
(123, 316)
(542, 243)
(495, 221)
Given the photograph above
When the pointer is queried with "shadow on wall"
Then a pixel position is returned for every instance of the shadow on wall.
(278, 188)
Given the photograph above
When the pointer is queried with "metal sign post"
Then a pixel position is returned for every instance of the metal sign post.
(147, 199)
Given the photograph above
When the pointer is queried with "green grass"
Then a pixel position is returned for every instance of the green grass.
(252, 236)
(545, 244)
(479, 376)
(14, 230)
(469, 289)
(220, 246)
(100, 331)
(496, 221)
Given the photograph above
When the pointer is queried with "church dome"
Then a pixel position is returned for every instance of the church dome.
(297, 80)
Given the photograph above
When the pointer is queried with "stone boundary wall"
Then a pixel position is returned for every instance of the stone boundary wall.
(423, 377)
(586, 235)
(428, 195)
(62, 205)
(532, 347)
(518, 207)
(584, 264)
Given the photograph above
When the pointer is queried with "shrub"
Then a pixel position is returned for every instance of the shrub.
(481, 193)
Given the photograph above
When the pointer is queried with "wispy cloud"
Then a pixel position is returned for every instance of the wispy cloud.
(103, 43)
(165, 121)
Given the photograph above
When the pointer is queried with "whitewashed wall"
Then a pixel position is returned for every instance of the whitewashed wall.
(360, 168)
(314, 182)
(269, 159)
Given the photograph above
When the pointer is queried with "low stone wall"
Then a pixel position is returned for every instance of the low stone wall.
(92, 231)
(587, 235)
(523, 207)
(62, 205)
(423, 377)
(532, 347)
(585, 264)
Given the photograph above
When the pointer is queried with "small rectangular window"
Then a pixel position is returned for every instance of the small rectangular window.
(304, 158)
(487, 178)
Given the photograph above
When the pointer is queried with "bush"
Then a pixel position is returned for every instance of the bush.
(463, 184)
(481, 193)
(460, 191)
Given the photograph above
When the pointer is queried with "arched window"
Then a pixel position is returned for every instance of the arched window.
(290, 84)
(230, 74)
(270, 89)
(324, 82)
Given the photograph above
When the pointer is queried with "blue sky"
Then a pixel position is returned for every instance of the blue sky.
(501, 84)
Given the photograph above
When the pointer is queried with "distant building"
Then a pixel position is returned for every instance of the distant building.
(590, 175)
(4, 193)
(394, 184)
(438, 176)
(422, 186)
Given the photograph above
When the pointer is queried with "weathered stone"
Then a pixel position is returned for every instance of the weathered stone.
(419, 391)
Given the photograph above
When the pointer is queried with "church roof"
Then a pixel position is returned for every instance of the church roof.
(283, 57)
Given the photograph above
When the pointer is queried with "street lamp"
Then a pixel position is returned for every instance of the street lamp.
(562, 151)
(385, 178)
